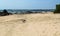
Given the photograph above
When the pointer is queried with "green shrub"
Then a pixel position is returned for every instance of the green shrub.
(57, 10)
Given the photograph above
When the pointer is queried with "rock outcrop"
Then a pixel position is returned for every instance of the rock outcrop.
(5, 13)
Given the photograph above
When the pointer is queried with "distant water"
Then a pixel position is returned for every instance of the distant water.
(32, 10)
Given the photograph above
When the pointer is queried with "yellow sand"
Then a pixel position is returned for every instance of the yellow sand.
(35, 25)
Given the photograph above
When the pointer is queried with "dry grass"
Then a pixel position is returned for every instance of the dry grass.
(35, 25)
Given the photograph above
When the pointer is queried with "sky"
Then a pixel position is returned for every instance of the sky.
(28, 4)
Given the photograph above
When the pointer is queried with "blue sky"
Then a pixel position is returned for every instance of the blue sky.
(28, 4)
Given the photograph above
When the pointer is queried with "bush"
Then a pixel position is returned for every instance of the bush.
(29, 12)
(57, 9)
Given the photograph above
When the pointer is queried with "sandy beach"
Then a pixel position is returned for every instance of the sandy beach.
(34, 25)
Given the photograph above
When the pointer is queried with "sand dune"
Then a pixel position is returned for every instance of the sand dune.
(35, 25)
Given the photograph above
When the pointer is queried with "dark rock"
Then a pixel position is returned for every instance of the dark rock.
(5, 13)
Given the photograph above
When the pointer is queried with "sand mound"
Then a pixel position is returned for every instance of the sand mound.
(34, 25)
